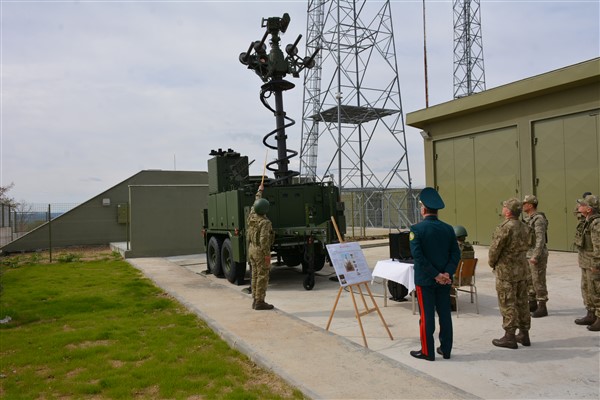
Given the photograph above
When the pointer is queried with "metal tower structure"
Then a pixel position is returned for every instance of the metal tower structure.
(469, 76)
(352, 112)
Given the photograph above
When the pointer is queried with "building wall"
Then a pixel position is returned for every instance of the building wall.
(166, 220)
(538, 136)
(99, 221)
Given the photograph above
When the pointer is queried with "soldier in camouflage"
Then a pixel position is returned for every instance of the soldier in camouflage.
(260, 238)
(587, 242)
(537, 255)
(508, 259)
(466, 251)
(466, 248)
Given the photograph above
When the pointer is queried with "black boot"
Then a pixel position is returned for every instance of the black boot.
(261, 305)
(589, 319)
(523, 338)
(595, 327)
(541, 311)
(532, 305)
(508, 340)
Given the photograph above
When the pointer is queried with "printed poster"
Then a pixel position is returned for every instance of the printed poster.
(349, 263)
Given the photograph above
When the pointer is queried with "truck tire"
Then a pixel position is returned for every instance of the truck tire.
(213, 257)
(319, 263)
(292, 259)
(233, 271)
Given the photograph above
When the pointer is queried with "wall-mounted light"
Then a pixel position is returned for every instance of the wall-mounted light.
(425, 135)
(106, 202)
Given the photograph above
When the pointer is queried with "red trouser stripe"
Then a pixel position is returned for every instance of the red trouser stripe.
(422, 327)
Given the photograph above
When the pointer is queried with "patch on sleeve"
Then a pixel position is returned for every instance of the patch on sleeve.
(411, 235)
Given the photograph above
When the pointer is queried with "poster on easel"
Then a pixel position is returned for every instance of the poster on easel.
(349, 263)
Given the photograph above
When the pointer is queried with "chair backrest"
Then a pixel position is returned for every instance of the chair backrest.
(465, 271)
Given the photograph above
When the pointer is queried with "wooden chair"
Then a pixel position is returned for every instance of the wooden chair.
(464, 281)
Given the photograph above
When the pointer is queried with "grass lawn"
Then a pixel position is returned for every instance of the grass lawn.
(98, 329)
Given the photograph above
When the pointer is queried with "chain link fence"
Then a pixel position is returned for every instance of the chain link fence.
(18, 220)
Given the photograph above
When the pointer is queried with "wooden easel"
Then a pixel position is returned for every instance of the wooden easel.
(367, 310)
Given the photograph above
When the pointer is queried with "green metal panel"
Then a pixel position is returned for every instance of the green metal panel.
(235, 213)
(566, 164)
(445, 177)
(122, 213)
(550, 180)
(496, 178)
(227, 173)
(466, 196)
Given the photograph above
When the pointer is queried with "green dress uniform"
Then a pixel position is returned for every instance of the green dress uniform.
(435, 251)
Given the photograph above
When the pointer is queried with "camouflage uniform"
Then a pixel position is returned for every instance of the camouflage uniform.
(537, 288)
(466, 249)
(587, 241)
(260, 238)
(507, 256)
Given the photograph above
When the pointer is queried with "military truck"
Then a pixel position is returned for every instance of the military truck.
(302, 211)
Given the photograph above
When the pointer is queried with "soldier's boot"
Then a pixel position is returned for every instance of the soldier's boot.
(523, 338)
(508, 340)
(589, 319)
(541, 311)
(595, 327)
(253, 304)
(532, 305)
(262, 305)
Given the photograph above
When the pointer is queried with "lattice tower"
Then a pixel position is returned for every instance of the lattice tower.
(352, 110)
(469, 75)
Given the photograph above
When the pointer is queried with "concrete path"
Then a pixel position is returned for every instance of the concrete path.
(562, 363)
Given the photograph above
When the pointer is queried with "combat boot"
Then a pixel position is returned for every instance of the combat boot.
(589, 319)
(595, 327)
(523, 338)
(253, 304)
(508, 340)
(261, 305)
(532, 305)
(541, 311)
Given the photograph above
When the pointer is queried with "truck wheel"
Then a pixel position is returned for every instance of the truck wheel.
(292, 259)
(319, 263)
(309, 282)
(233, 270)
(213, 257)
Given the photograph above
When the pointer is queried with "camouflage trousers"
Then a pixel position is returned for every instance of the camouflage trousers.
(260, 277)
(536, 285)
(512, 300)
(590, 290)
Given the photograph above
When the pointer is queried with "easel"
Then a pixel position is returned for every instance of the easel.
(367, 310)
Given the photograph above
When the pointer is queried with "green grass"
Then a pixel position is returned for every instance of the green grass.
(101, 330)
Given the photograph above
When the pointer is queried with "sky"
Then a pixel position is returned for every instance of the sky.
(92, 92)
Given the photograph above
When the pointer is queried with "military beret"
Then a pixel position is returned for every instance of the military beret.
(514, 205)
(531, 199)
(591, 201)
(431, 199)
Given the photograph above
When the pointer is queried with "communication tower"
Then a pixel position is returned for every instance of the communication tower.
(469, 76)
(352, 112)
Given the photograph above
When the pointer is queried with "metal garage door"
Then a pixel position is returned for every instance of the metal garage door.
(566, 154)
(474, 174)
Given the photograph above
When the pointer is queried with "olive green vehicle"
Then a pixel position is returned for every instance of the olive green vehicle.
(302, 213)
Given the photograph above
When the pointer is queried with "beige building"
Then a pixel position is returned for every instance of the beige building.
(535, 136)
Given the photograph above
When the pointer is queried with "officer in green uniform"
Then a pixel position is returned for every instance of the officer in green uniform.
(436, 255)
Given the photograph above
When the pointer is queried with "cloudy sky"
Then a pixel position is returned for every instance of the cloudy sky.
(95, 91)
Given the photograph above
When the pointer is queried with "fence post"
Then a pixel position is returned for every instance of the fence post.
(50, 232)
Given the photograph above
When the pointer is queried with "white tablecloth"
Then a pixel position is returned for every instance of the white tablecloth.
(396, 271)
